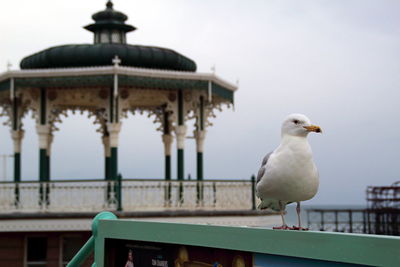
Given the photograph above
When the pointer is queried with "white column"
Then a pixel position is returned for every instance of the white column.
(180, 133)
(106, 145)
(17, 137)
(113, 130)
(167, 140)
(50, 139)
(43, 132)
(200, 136)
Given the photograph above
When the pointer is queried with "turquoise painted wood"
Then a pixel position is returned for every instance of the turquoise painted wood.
(83, 253)
(369, 250)
(89, 246)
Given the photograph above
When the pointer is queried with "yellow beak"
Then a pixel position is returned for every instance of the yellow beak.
(313, 128)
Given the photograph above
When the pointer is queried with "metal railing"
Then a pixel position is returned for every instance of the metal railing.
(337, 220)
(126, 194)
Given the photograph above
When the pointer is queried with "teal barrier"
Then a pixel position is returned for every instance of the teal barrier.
(89, 246)
(124, 242)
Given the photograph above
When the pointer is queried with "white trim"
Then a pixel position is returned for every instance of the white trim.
(120, 70)
(45, 225)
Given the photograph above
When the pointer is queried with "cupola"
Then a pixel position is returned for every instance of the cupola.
(109, 26)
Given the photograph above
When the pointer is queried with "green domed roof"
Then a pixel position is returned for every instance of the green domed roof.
(109, 36)
(88, 55)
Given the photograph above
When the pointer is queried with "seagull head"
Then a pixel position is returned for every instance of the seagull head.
(298, 125)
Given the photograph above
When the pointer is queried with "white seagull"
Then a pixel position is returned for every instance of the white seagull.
(288, 174)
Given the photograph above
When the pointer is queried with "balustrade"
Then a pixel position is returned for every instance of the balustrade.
(126, 195)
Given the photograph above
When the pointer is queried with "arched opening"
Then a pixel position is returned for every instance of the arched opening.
(77, 150)
(141, 151)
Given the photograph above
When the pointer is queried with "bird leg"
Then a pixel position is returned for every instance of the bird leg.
(298, 209)
(284, 225)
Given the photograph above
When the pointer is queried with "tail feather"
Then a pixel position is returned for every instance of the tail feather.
(272, 204)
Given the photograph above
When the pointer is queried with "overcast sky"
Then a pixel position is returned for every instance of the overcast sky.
(338, 62)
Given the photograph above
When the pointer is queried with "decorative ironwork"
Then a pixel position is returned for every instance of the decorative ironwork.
(129, 194)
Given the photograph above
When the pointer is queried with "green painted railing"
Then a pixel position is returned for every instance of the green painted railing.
(329, 248)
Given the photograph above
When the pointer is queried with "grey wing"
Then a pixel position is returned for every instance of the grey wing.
(263, 167)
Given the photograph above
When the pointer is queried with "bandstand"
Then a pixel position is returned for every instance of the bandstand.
(110, 79)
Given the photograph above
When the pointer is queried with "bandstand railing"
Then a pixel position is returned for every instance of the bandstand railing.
(126, 195)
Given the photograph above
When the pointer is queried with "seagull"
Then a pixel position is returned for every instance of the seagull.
(288, 174)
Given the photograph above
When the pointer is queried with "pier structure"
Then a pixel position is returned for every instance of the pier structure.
(381, 215)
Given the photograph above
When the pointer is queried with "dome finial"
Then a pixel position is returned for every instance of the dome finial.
(109, 4)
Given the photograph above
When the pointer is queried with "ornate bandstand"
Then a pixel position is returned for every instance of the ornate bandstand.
(110, 79)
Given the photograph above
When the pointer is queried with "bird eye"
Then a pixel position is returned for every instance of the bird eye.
(295, 121)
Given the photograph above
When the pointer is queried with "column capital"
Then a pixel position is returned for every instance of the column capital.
(50, 139)
(17, 136)
(167, 140)
(43, 131)
(200, 136)
(180, 133)
(106, 144)
(113, 130)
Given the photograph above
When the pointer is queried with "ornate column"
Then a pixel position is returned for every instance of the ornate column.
(107, 155)
(167, 140)
(180, 132)
(49, 143)
(43, 130)
(113, 130)
(16, 132)
(17, 136)
(114, 125)
(200, 135)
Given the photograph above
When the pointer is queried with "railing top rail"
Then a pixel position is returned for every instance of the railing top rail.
(338, 247)
(336, 210)
(128, 180)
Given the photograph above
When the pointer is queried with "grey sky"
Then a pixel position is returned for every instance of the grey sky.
(335, 61)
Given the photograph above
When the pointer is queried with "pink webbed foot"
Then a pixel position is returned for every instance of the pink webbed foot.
(297, 228)
(283, 227)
